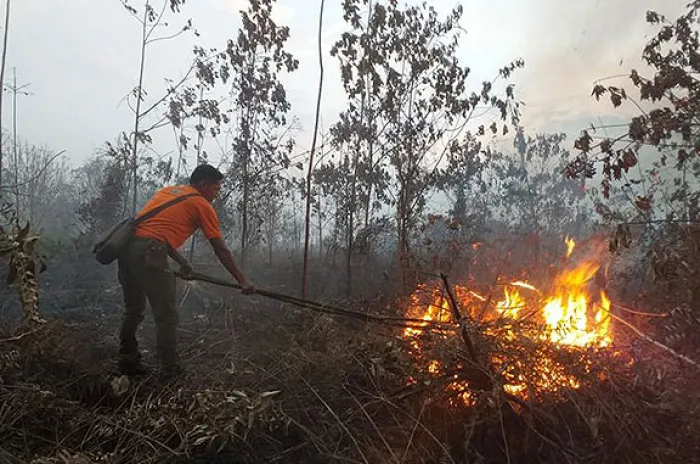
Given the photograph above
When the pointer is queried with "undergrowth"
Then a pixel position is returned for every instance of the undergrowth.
(287, 387)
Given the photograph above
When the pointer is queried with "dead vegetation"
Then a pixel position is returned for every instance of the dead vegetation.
(269, 383)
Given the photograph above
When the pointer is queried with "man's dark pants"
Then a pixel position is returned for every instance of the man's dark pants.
(144, 274)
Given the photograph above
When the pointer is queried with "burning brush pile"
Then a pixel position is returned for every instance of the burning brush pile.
(547, 363)
(534, 341)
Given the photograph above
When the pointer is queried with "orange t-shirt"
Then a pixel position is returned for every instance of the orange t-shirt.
(176, 223)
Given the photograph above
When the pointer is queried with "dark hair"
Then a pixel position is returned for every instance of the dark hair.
(205, 173)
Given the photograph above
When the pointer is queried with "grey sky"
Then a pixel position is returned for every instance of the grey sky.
(81, 59)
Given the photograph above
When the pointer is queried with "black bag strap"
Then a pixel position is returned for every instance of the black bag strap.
(160, 208)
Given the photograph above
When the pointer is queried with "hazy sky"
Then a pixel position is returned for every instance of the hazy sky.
(80, 58)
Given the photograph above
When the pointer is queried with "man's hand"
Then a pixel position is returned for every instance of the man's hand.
(247, 288)
(186, 270)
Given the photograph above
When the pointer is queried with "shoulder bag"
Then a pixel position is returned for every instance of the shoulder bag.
(111, 243)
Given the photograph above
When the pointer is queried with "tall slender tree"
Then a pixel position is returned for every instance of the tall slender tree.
(307, 232)
(3, 62)
(150, 19)
(16, 90)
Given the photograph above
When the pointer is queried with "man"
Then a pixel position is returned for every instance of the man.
(144, 271)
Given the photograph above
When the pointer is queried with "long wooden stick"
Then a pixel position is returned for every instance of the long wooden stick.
(326, 308)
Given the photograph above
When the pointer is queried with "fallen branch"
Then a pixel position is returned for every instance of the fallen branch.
(484, 380)
(458, 317)
(19, 337)
(638, 313)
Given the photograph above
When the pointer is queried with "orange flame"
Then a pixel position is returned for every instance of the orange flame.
(566, 313)
(570, 244)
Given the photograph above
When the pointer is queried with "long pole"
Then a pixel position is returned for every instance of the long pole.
(419, 324)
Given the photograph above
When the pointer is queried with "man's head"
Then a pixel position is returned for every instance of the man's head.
(206, 179)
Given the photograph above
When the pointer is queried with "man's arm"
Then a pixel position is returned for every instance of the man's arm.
(226, 258)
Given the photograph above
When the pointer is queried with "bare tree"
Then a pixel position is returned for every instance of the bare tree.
(40, 185)
(260, 143)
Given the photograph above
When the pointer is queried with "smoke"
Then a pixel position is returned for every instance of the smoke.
(571, 45)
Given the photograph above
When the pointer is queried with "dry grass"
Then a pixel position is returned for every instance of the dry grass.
(285, 387)
(269, 383)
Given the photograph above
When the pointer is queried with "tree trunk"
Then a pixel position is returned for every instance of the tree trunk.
(14, 141)
(307, 223)
(244, 212)
(402, 239)
(320, 230)
(2, 78)
(350, 233)
(137, 117)
(247, 147)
